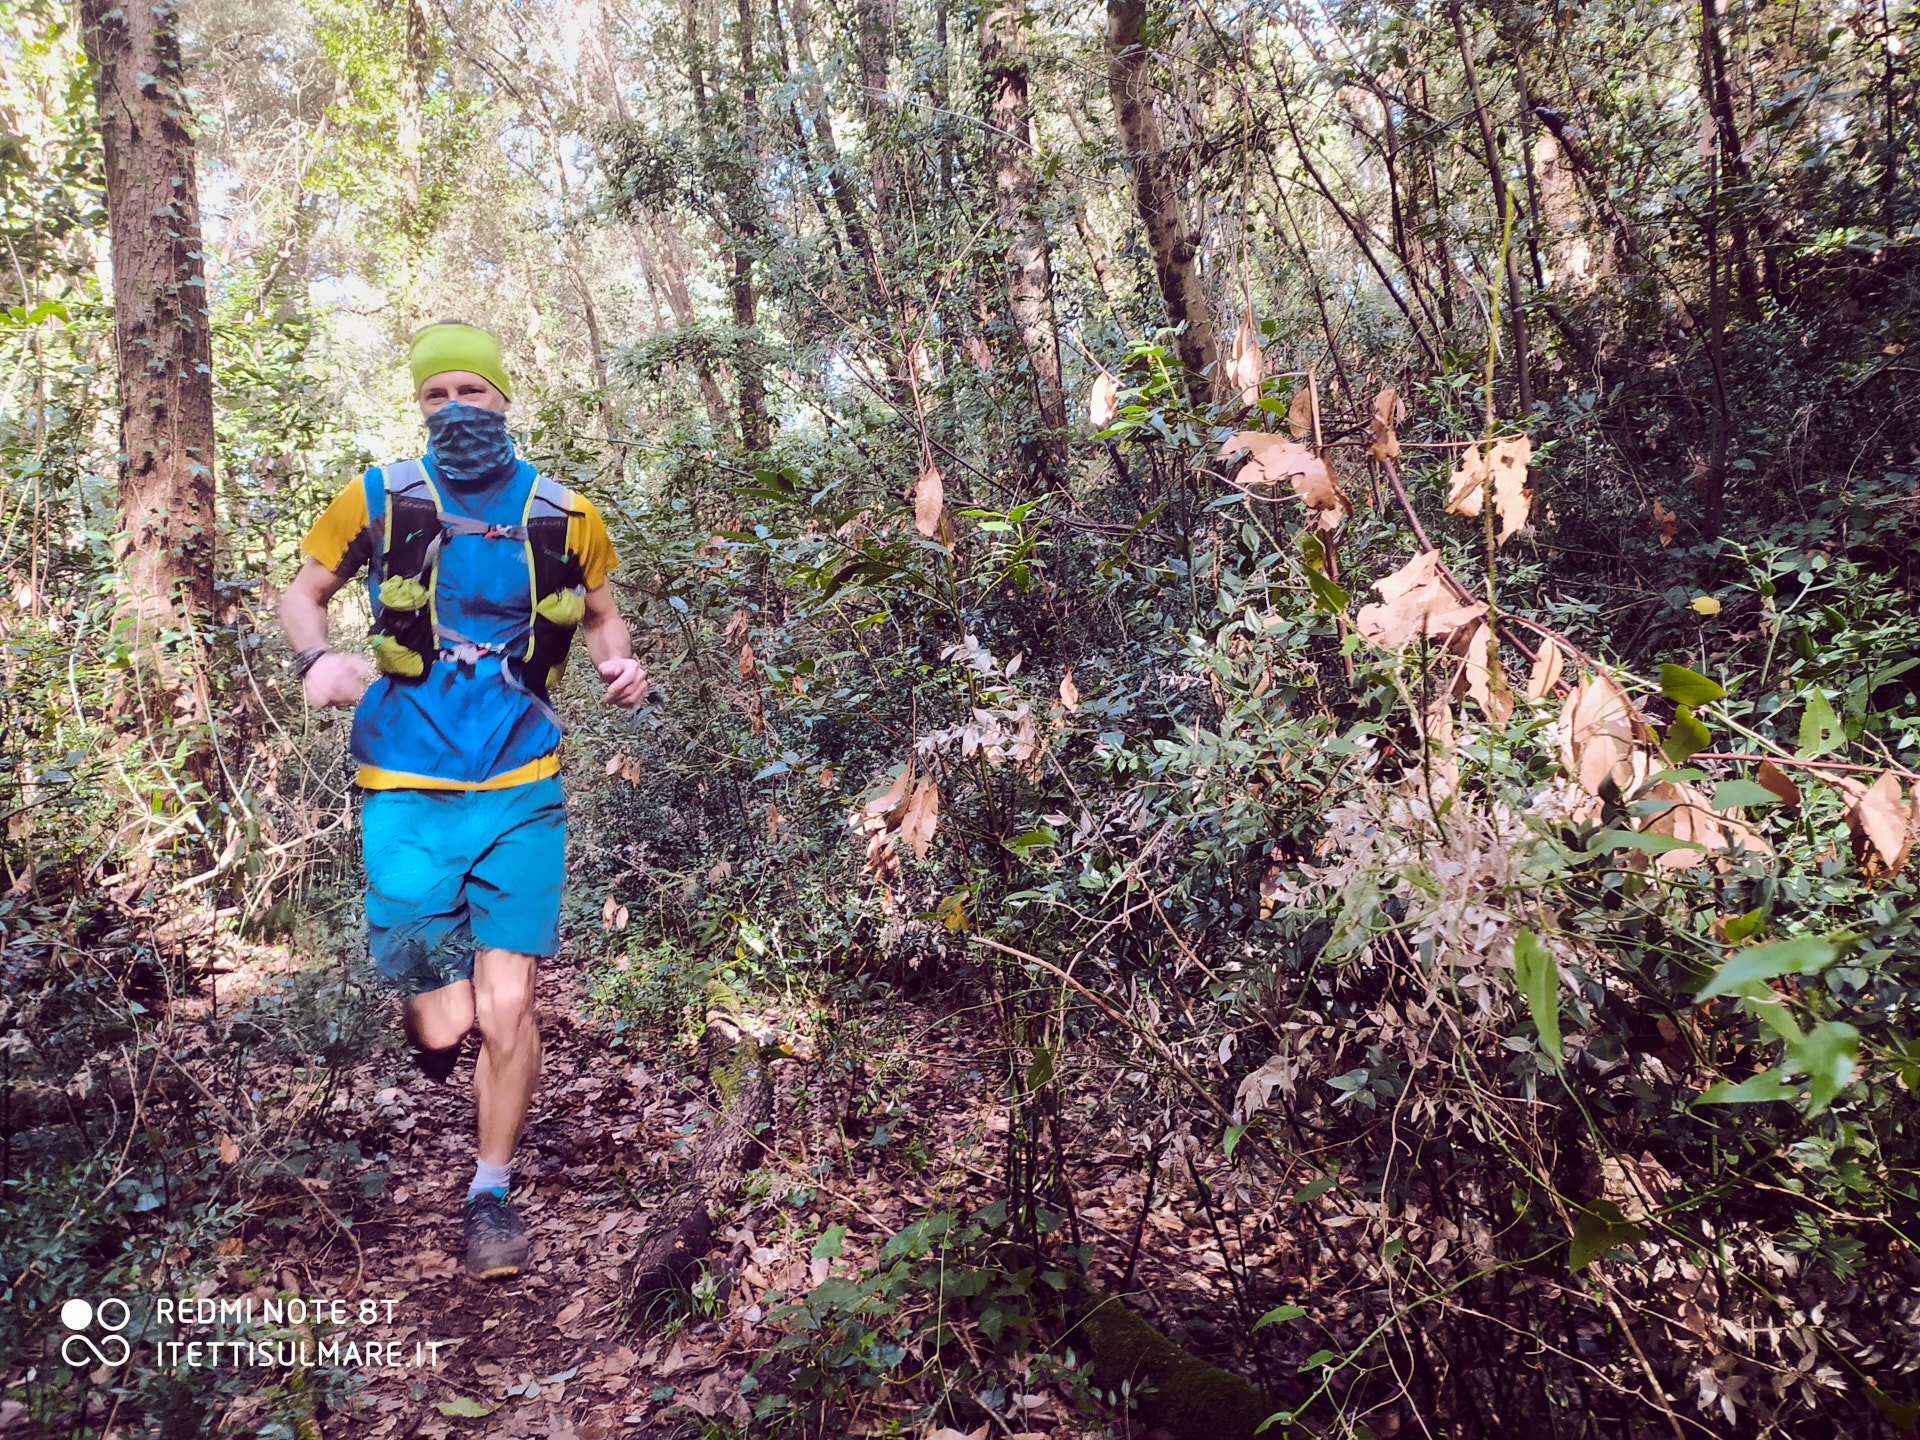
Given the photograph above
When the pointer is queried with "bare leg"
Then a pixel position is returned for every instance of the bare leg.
(439, 1019)
(509, 1063)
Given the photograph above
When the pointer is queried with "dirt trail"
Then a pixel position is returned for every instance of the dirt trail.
(600, 1129)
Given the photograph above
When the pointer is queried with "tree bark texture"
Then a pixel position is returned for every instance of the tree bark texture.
(1012, 143)
(162, 345)
(1173, 246)
(755, 428)
(413, 88)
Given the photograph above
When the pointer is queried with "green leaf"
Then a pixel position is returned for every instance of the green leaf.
(463, 1406)
(1744, 927)
(828, 1245)
(1820, 729)
(1600, 1228)
(1539, 979)
(1231, 1139)
(1827, 1055)
(1729, 794)
(1685, 736)
(1317, 1359)
(1633, 840)
(1327, 596)
(1278, 1314)
(1688, 687)
(1807, 955)
(1040, 1070)
(1905, 1414)
(1393, 1247)
(1314, 1189)
(1751, 1091)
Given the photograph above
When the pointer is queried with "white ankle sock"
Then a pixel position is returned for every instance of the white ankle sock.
(489, 1177)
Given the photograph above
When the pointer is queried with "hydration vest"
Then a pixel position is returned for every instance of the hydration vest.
(403, 575)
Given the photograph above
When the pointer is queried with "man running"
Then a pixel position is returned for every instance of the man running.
(480, 569)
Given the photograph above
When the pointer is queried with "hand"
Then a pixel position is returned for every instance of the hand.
(626, 681)
(337, 679)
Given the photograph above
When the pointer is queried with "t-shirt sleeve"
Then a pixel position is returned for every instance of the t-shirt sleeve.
(341, 538)
(587, 537)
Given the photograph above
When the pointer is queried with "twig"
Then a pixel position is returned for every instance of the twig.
(1806, 764)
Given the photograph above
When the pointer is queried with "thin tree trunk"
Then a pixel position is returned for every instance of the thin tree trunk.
(1733, 160)
(1173, 246)
(411, 131)
(1523, 381)
(162, 344)
(661, 262)
(1011, 143)
(755, 428)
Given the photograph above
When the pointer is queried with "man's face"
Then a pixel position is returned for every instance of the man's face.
(462, 385)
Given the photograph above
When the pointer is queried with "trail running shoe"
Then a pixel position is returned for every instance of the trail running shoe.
(496, 1244)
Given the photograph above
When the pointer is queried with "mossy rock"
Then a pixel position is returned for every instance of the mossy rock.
(1176, 1391)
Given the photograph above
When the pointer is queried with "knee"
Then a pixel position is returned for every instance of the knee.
(503, 996)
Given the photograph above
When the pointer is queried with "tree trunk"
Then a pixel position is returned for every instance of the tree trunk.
(755, 428)
(410, 133)
(1169, 241)
(162, 345)
(1011, 144)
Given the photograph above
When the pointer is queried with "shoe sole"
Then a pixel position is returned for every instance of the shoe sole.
(497, 1272)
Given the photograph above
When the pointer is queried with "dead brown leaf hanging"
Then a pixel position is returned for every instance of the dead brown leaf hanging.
(978, 352)
(1880, 822)
(1503, 467)
(1546, 671)
(1104, 402)
(746, 661)
(929, 500)
(1383, 444)
(1666, 524)
(1069, 693)
(1300, 413)
(923, 813)
(1692, 817)
(1246, 365)
(1485, 683)
(1271, 459)
(1775, 779)
(1600, 731)
(1415, 599)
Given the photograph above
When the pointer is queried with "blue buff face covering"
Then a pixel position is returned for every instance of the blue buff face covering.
(470, 446)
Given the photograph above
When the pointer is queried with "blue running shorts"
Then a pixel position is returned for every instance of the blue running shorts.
(451, 871)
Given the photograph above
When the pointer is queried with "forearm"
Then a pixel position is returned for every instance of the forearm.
(607, 638)
(303, 613)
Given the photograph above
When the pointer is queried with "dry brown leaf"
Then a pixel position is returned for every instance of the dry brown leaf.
(1383, 443)
(1485, 683)
(1880, 822)
(1412, 599)
(746, 661)
(1272, 458)
(978, 352)
(1600, 732)
(1546, 671)
(615, 762)
(571, 1312)
(620, 918)
(1300, 413)
(948, 532)
(719, 872)
(607, 910)
(1245, 368)
(923, 813)
(773, 821)
(896, 793)
(229, 1152)
(1693, 817)
(1775, 779)
(1436, 770)
(1503, 466)
(1666, 524)
(929, 500)
(737, 627)
(1104, 402)
(1069, 693)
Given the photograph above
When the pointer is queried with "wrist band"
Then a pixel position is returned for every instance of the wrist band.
(307, 659)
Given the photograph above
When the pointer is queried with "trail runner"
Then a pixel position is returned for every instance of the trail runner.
(480, 570)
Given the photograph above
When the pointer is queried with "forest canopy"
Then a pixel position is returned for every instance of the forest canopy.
(1284, 704)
